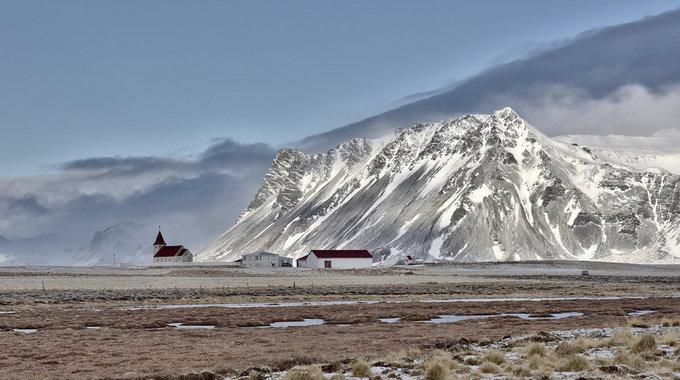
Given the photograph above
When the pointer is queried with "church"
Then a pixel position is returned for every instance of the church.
(163, 253)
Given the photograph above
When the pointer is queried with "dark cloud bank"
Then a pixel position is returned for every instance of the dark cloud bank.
(621, 79)
(624, 67)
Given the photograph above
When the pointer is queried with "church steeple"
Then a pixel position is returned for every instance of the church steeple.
(159, 239)
(159, 243)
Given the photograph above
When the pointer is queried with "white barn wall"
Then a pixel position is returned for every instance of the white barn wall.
(338, 263)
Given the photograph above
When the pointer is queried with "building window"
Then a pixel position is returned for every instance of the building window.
(327, 264)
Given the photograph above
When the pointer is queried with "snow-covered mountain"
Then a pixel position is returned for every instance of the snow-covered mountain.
(130, 242)
(477, 188)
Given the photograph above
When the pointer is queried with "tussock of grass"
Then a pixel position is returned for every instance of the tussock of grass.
(666, 322)
(671, 338)
(637, 322)
(361, 368)
(495, 357)
(535, 349)
(436, 371)
(489, 367)
(566, 349)
(520, 371)
(304, 373)
(394, 358)
(587, 343)
(338, 376)
(414, 354)
(646, 343)
(621, 338)
(622, 357)
(574, 363)
(439, 366)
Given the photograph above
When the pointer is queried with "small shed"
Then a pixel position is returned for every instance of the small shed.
(338, 259)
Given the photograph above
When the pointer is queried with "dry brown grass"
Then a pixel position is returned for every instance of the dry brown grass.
(535, 349)
(587, 343)
(623, 357)
(414, 354)
(567, 349)
(671, 338)
(637, 322)
(520, 371)
(621, 338)
(337, 376)
(495, 357)
(361, 368)
(574, 363)
(646, 343)
(304, 373)
(489, 367)
(439, 366)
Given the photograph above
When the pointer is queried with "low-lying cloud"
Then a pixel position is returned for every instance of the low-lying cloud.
(630, 110)
(195, 199)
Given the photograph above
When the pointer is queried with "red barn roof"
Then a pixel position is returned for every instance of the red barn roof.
(159, 239)
(170, 251)
(303, 258)
(342, 254)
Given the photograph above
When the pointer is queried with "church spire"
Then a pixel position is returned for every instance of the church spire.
(159, 238)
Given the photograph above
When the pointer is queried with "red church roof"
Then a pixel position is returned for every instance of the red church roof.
(159, 239)
(342, 254)
(171, 251)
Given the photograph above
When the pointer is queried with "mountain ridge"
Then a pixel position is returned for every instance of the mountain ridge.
(426, 191)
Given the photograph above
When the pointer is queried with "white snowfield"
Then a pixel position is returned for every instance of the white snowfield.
(477, 188)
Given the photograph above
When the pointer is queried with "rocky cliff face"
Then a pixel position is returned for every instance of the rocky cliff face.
(478, 188)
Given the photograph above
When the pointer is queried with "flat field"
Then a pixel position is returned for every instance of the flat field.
(99, 322)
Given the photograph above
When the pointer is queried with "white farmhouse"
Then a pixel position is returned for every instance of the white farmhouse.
(265, 260)
(339, 259)
(163, 253)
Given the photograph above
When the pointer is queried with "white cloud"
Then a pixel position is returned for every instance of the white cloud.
(631, 110)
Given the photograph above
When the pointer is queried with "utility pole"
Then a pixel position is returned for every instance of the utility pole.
(114, 260)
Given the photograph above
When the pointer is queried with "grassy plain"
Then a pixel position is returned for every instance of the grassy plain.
(132, 338)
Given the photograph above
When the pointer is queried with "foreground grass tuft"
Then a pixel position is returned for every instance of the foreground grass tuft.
(574, 363)
(537, 349)
(304, 373)
(495, 357)
(646, 343)
(567, 349)
(439, 366)
(361, 369)
(621, 338)
(489, 367)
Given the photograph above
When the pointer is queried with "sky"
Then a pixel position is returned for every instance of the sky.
(121, 116)
(83, 79)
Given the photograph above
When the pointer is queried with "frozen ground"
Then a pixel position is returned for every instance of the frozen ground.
(199, 276)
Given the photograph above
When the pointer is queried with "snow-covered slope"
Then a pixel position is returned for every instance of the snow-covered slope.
(478, 188)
